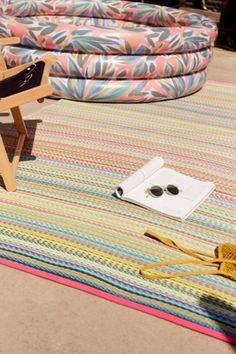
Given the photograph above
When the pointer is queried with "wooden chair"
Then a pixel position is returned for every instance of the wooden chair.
(20, 85)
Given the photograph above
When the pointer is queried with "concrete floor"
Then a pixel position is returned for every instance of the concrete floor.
(223, 66)
(42, 317)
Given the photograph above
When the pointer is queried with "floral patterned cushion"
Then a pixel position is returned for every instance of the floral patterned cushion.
(126, 91)
(147, 14)
(118, 50)
(95, 66)
(103, 40)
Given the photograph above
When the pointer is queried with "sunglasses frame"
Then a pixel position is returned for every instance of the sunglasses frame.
(163, 189)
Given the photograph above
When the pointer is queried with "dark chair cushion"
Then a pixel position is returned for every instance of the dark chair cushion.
(24, 80)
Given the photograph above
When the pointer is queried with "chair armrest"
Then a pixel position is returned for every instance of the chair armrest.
(9, 40)
(49, 58)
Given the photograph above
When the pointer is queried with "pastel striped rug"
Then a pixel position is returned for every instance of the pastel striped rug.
(65, 224)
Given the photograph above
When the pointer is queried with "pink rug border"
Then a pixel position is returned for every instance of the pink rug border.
(118, 300)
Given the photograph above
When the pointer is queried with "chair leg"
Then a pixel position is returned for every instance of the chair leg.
(7, 169)
(19, 122)
(7, 174)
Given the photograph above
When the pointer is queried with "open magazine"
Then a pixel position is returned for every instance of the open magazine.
(180, 194)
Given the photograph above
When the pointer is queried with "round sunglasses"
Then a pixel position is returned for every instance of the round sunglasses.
(157, 191)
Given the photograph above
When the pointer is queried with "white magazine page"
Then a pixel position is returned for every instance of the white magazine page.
(192, 192)
(139, 176)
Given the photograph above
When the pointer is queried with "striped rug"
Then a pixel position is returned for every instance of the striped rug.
(65, 224)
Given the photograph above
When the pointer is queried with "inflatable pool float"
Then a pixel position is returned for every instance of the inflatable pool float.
(112, 51)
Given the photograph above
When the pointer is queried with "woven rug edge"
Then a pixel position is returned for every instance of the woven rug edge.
(115, 299)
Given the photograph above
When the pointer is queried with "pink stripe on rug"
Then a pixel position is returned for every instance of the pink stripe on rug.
(120, 301)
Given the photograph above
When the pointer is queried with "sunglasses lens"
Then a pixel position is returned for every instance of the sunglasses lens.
(172, 189)
(156, 191)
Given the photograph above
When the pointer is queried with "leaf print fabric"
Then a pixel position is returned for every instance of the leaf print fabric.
(68, 37)
(111, 50)
(114, 66)
(127, 90)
